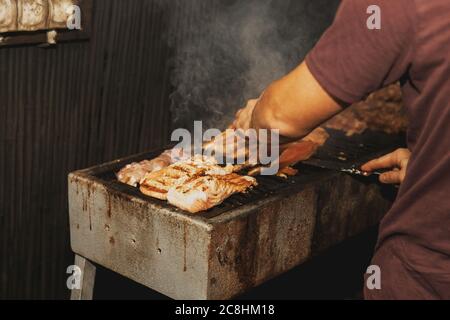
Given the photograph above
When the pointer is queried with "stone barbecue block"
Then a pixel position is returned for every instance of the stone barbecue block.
(226, 251)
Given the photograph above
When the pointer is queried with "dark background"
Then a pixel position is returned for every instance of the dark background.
(81, 104)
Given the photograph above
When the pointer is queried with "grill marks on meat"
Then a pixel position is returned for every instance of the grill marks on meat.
(133, 173)
(199, 183)
(205, 192)
(157, 183)
(291, 154)
(195, 185)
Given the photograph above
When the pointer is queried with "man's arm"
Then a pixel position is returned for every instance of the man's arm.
(349, 62)
(295, 105)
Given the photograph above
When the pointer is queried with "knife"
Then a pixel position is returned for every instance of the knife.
(359, 172)
(335, 166)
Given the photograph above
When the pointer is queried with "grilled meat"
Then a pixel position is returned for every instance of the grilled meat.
(205, 192)
(157, 183)
(295, 152)
(133, 173)
(291, 154)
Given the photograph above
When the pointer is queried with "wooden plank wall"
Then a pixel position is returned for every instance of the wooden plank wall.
(78, 105)
(67, 108)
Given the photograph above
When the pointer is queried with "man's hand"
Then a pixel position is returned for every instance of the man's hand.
(397, 160)
(244, 116)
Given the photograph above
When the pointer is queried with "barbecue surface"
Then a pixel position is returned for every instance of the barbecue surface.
(236, 246)
(339, 151)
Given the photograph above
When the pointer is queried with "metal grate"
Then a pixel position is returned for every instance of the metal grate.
(355, 149)
(345, 152)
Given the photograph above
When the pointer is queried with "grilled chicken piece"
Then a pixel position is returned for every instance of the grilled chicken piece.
(133, 173)
(205, 192)
(157, 183)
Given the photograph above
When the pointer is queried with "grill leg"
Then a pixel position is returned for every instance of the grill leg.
(87, 280)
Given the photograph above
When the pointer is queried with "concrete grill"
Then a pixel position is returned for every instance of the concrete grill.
(224, 252)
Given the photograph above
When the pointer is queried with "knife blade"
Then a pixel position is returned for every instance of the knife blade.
(359, 172)
(345, 168)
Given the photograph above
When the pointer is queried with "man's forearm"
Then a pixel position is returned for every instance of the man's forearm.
(272, 112)
(295, 105)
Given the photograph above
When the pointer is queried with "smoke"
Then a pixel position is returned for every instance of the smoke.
(228, 51)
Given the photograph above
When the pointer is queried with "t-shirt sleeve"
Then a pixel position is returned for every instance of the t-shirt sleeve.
(351, 60)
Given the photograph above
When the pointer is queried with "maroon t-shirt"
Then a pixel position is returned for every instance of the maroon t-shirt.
(413, 46)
